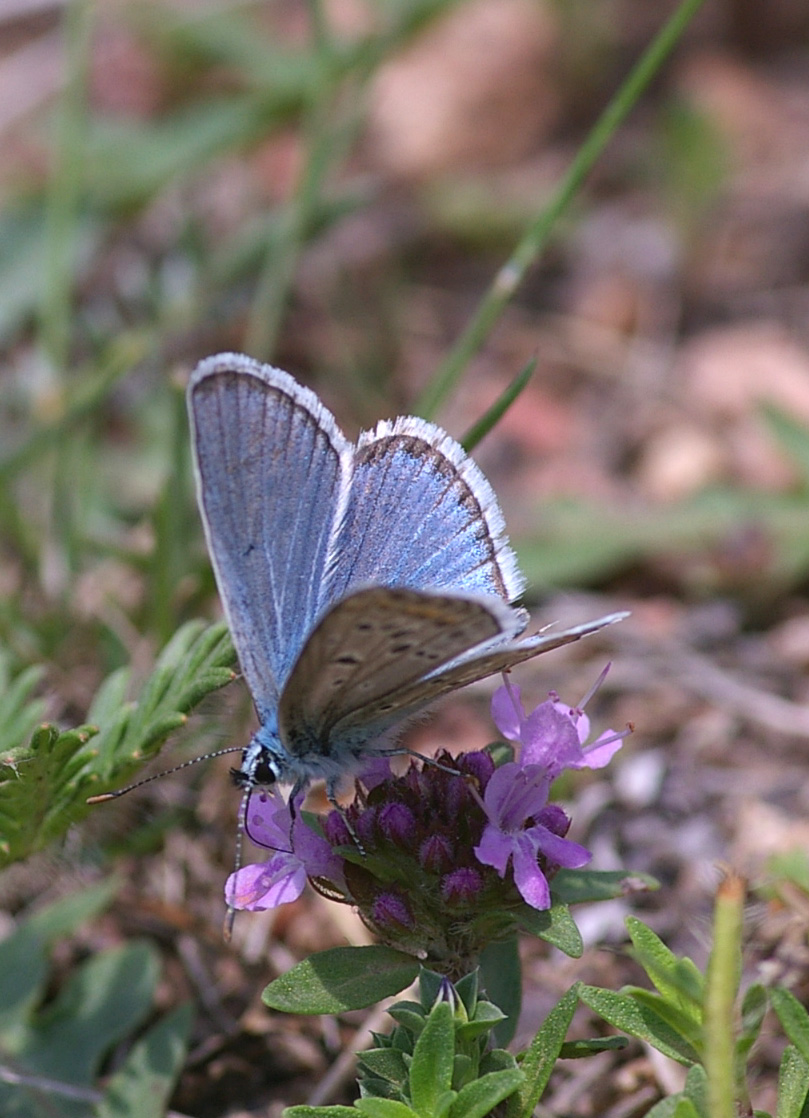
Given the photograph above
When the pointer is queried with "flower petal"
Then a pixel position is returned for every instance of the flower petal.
(528, 877)
(549, 738)
(560, 851)
(494, 849)
(507, 711)
(265, 884)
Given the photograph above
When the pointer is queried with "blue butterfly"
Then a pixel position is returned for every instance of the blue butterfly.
(360, 581)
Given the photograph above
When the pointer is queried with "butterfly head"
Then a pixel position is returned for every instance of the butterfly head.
(262, 763)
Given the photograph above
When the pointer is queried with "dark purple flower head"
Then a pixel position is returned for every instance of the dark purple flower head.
(462, 886)
(391, 913)
(397, 823)
(441, 860)
(435, 853)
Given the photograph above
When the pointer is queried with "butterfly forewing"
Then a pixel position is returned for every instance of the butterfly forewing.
(421, 514)
(373, 645)
(272, 473)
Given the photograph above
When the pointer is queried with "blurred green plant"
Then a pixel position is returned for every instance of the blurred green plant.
(53, 1050)
(581, 542)
(44, 781)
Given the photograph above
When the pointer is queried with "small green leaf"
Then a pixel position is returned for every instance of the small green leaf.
(64, 916)
(467, 989)
(554, 925)
(341, 979)
(791, 434)
(640, 1021)
(696, 1090)
(431, 1070)
(541, 1057)
(383, 1108)
(678, 979)
(23, 973)
(675, 1106)
(682, 1023)
(793, 1084)
(478, 1099)
(487, 1018)
(319, 1112)
(793, 1017)
(384, 1063)
(579, 1049)
(754, 1007)
(410, 1018)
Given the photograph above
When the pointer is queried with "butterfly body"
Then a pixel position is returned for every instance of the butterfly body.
(360, 581)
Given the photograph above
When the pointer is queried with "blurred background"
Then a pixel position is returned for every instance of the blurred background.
(333, 186)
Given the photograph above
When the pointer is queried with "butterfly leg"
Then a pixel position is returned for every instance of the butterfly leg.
(331, 796)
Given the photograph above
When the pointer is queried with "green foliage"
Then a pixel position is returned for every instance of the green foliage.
(56, 1048)
(341, 979)
(44, 783)
(436, 1063)
(681, 1017)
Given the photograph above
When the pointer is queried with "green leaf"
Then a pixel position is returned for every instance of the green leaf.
(487, 1018)
(541, 1057)
(467, 989)
(320, 1112)
(409, 1016)
(586, 886)
(64, 916)
(384, 1063)
(141, 1087)
(678, 979)
(101, 1002)
(681, 1022)
(696, 1090)
(23, 974)
(793, 1084)
(579, 1049)
(478, 1099)
(492, 416)
(675, 1106)
(431, 1069)
(502, 980)
(383, 1108)
(754, 1007)
(793, 1017)
(641, 1021)
(341, 979)
(554, 925)
(23, 957)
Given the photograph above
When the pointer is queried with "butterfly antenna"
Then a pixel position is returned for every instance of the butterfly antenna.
(230, 914)
(104, 796)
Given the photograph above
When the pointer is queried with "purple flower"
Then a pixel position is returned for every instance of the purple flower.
(522, 826)
(272, 823)
(554, 734)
